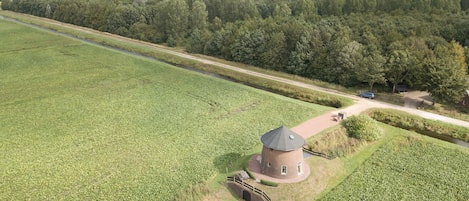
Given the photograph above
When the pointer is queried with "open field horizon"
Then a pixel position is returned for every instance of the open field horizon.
(83, 122)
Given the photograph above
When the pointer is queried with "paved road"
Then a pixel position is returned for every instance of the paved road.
(359, 106)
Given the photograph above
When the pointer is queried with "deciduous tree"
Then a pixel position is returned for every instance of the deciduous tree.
(372, 69)
(247, 47)
(399, 66)
(198, 16)
(174, 17)
(349, 60)
(275, 54)
(445, 77)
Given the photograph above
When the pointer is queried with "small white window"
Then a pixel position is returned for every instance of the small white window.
(300, 168)
(284, 170)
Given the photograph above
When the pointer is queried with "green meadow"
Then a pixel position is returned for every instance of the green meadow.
(408, 166)
(81, 122)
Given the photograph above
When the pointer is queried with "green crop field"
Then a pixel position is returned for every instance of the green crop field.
(409, 168)
(81, 122)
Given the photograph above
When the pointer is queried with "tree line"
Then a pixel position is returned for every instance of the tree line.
(421, 43)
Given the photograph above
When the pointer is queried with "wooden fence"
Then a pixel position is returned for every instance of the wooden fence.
(250, 187)
(319, 154)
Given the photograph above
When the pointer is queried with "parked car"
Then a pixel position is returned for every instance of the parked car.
(367, 94)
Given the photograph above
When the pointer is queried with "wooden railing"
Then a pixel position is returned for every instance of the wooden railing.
(250, 187)
(319, 154)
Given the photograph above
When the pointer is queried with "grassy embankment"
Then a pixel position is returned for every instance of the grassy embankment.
(82, 122)
(266, 84)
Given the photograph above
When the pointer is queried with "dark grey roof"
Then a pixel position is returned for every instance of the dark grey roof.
(282, 139)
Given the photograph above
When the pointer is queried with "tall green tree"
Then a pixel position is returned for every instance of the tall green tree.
(247, 47)
(238, 10)
(445, 77)
(331, 7)
(66, 11)
(215, 9)
(353, 6)
(309, 52)
(197, 41)
(123, 17)
(349, 60)
(221, 41)
(332, 71)
(399, 67)
(275, 52)
(282, 10)
(372, 70)
(174, 18)
(198, 16)
(97, 14)
(306, 9)
(459, 55)
(415, 48)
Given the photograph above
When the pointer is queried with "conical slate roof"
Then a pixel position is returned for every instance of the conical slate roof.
(282, 139)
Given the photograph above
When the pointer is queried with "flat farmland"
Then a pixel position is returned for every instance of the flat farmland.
(81, 122)
(410, 167)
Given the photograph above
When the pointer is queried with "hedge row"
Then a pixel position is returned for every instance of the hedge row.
(269, 183)
(418, 124)
(249, 173)
(291, 91)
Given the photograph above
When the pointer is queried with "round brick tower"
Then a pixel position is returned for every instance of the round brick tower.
(282, 153)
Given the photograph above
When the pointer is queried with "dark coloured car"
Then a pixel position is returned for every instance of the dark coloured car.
(367, 94)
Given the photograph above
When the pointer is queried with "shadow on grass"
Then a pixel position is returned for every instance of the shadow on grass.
(224, 163)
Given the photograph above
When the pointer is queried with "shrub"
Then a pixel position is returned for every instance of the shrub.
(418, 124)
(334, 143)
(249, 173)
(363, 127)
(171, 42)
(269, 183)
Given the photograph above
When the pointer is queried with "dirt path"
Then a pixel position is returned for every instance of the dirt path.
(359, 106)
(414, 99)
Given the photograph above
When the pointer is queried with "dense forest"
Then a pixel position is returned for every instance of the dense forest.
(420, 43)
